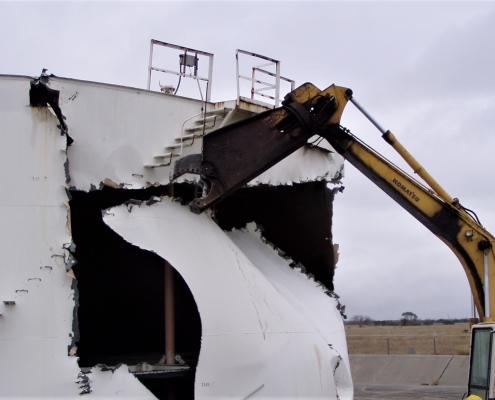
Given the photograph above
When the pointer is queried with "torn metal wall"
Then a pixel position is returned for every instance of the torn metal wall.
(35, 331)
(122, 290)
(257, 334)
(117, 131)
(297, 219)
(304, 165)
(265, 325)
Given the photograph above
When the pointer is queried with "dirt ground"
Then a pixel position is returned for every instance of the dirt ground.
(364, 392)
(436, 339)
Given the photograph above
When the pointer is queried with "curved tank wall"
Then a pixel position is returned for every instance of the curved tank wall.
(267, 328)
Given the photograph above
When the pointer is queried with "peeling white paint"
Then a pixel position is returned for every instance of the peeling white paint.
(263, 323)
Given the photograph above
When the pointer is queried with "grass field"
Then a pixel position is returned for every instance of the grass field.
(423, 339)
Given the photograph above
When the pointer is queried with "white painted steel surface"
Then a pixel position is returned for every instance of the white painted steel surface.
(118, 130)
(116, 384)
(34, 333)
(263, 323)
(261, 333)
(304, 165)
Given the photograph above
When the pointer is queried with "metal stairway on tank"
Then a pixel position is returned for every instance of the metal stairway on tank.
(204, 123)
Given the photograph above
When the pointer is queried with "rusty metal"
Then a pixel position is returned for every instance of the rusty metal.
(41, 95)
(236, 154)
(169, 315)
(190, 164)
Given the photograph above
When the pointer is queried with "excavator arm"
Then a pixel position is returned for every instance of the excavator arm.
(469, 241)
(236, 154)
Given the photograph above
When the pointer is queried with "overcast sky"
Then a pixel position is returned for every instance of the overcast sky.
(424, 70)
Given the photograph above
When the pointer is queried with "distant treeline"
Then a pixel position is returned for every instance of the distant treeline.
(444, 321)
(401, 322)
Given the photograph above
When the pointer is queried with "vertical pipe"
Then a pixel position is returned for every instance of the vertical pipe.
(253, 76)
(487, 284)
(150, 64)
(237, 75)
(169, 315)
(277, 83)
(210, 77)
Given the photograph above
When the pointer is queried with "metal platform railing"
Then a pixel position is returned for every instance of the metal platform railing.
(189, 58)
(258, 86)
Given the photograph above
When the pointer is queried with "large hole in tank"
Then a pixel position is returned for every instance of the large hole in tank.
(121, 313)
(121, 295)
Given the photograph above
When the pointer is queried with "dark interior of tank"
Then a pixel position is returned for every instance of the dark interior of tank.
(297, 219)
(121, 289)
(120, 314)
